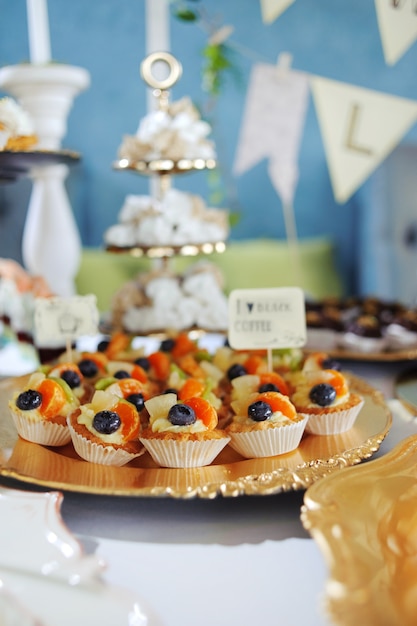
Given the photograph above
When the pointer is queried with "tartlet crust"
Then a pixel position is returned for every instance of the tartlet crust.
(184, 436)
(235, 427)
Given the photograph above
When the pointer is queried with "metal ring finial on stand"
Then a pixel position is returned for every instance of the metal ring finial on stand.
(175, 70)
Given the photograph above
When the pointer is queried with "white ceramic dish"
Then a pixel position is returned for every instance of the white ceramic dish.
(45, 577)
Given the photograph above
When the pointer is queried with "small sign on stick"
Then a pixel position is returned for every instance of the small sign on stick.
(65, 319)
(267, 318)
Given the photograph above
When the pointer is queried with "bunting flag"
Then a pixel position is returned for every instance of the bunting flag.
(271, 9)
(397, 21)
(359, 128)
(273, 122)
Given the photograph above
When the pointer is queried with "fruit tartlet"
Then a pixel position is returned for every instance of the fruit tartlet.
(182, 433)
(123, 369)
(243, 386)
(92, 365)
(40, 410)
(313, 362)
(131, 389)
(106, 430)
(265, 424)
(325, 398)
(72, 375)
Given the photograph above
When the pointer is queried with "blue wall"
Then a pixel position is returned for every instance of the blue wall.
(337, 39)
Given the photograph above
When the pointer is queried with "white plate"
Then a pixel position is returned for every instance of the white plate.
(46, 579)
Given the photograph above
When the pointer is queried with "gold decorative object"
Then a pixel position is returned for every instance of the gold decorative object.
(230, 475)
(174, 67)
(161, 252)
(164, 167)
(365, 522)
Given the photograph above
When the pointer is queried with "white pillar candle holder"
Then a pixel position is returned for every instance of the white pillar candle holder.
(51, 245)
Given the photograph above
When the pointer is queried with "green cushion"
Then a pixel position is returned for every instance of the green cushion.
(244, 264)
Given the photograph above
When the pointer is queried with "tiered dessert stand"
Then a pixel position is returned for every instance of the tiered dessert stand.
(162, 170)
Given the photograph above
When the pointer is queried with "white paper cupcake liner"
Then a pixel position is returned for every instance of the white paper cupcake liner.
(44, 432)
(268, 442)
(172, 453)
(334, 422)
(100, 454)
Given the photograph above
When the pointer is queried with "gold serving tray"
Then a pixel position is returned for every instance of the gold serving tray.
(388, 356)
(365, 522)
(406, 389)
(230, 475)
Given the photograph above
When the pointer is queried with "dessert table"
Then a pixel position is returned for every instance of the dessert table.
(224, 561)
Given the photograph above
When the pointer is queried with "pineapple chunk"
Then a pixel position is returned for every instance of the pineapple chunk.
(245, 385)
(103, 401)
(159, 406)
(212, 371)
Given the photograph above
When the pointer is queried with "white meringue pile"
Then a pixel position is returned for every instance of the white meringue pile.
(178, 219)
(15, 122)
(177, 133)
(162, 300)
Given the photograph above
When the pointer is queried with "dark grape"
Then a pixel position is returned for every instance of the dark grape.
(268, 387)
(259, 411)
(137, 400)
(181, 415)
(143, 361)
(106, 422)
(88, 368)
(72, 379)
(28, 400)
(322, 394)
(103, 345)
(331, 364)
(235, 371)
(121, 374)
(167, 345)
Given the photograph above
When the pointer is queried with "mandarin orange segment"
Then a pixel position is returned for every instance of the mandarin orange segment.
(338, 381)
(278, 403)
(99, 358)
(119, 342)
(183, 345)
(160, 364)
(65, 367)
(129, 386)
(130, 420)
(192, 387)
(190, 366)
(317, 358)
(139, 373)
(277, 380)
(254, 363)
(53, 398)
(204, 411)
